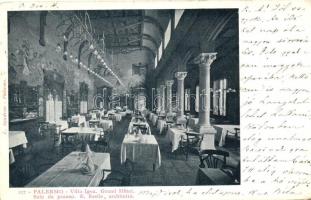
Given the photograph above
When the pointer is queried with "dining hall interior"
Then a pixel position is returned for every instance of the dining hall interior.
(123, 98)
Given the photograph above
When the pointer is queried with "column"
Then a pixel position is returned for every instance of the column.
(162, 100)
(181, 119)
(204, 60)
(169, 84)
(158, 97)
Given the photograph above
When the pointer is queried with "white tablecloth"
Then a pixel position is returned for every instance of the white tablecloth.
(118, 117)
(106, 124)
(16, 138)
(62, 123)
(67, 173)
(161, 125)
(174, 136)
(129, 112)
(84, 133)
(146, 151)
(123, 113)
(111, 111)
(222, 131)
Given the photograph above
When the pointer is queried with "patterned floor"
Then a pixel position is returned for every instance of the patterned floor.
(174, 170)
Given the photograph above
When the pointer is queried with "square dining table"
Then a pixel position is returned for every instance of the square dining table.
(106, 124)
(67, 173)
(141, 149)
(174, 135)
(84, 133)
(16, 138)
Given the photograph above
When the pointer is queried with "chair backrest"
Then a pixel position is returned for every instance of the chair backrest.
(125, 174)
(213, 158)
(170, 118)
(237, 132)
(143, 130)
(238, 173)
(110, 116)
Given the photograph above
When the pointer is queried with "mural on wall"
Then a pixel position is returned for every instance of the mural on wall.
(28, 58)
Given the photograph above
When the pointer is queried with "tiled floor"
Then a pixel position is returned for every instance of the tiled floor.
(174, 170)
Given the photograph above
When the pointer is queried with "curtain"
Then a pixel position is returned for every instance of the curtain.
(53, 110)
(220, 97)
(50, 110)
(83, 107)
(58, 110)
(187, 99)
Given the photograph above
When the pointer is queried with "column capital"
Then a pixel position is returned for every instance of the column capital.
(205, 58)
(162, 86)
(169, 83)
(180, 75)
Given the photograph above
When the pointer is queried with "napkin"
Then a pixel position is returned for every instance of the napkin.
(88, 150)
(88, 167)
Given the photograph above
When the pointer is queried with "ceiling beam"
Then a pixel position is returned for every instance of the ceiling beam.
(129, 26)
(153, 21)
(124, 15)
(147, 19)
(138, 48)
(144, 36)
(114, 28)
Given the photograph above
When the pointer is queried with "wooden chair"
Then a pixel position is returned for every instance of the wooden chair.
(43, 128)
(56, 132)
(120, 177)
(213, 158)
(233, 172)
(69, 143)
(143, 129)
(191, 144)
(234, 137)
